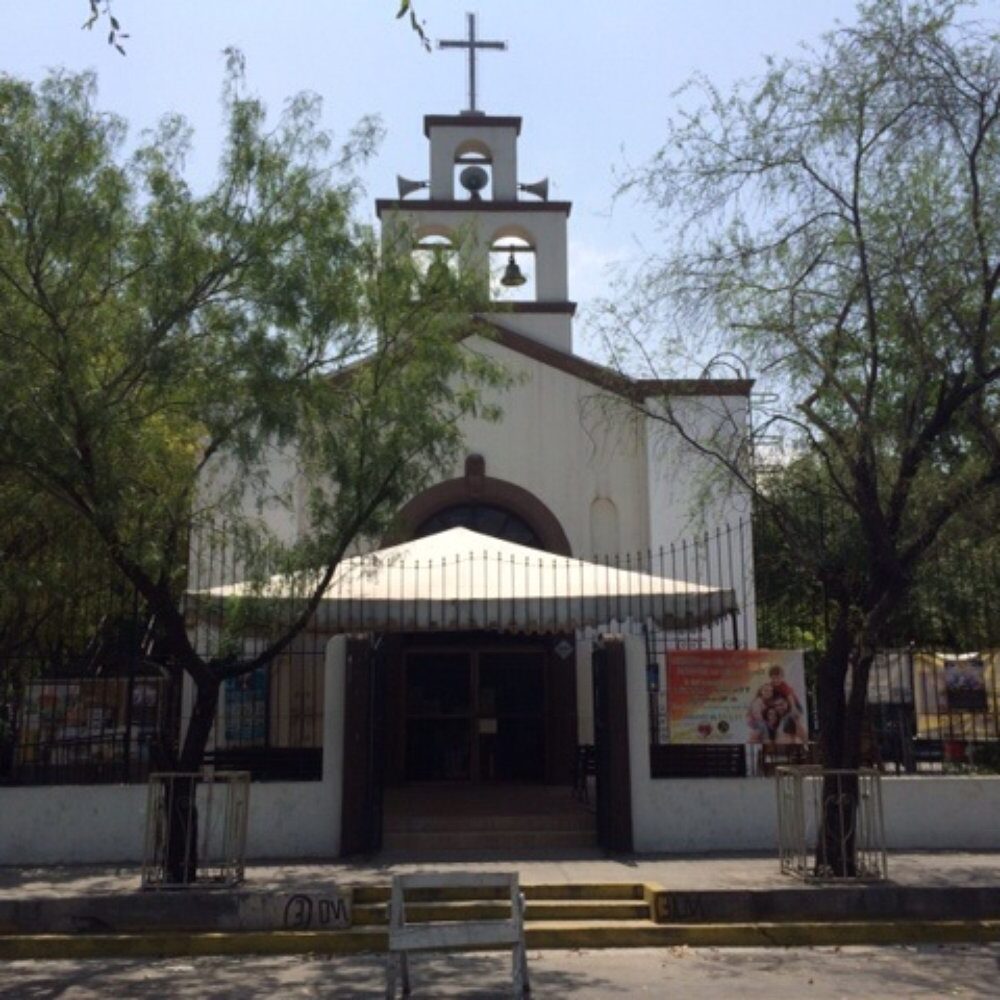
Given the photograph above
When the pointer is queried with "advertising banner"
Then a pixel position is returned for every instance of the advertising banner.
(86, 720)
(956, 695)
(736, 696)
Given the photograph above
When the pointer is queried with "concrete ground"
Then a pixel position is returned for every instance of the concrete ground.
(675, 872)
(686, 973)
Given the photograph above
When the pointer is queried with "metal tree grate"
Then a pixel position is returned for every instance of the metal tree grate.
(207, 845)
(830, 824)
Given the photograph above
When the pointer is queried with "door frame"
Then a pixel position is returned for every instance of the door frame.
(611, 745)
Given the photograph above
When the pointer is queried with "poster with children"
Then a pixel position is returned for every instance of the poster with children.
(736, 696)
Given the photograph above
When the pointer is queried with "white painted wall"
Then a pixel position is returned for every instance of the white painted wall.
(72, 824)
(693, 815)
(690, 494)
(553, 329)
(567, 443)
(88, 824)
(954, 813)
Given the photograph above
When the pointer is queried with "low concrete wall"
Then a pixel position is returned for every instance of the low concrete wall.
(953, 813)
(90, 824)
(69, 824)
(690, 815)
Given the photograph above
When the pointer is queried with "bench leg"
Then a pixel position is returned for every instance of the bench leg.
(404, 961)
(390, 976)
(519, 955)
(519, 970)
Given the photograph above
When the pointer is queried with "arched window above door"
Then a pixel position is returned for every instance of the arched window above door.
(487, 519)
(485, 504)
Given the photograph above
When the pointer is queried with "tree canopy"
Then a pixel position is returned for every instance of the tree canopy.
(837, 223)
(152, 334)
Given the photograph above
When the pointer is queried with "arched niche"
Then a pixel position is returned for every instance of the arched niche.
(605, 536)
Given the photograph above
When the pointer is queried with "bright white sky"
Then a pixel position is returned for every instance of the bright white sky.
(593, 80)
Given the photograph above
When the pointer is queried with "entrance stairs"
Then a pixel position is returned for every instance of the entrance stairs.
(475, 819)
(564, 915)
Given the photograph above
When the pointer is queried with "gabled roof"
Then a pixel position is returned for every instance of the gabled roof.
(597, 375)
(608, 378)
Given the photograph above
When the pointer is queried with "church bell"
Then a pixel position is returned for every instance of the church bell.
(512, 276)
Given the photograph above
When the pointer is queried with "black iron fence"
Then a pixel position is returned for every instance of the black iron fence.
(933, 689)
(84, 693)
(93, 696)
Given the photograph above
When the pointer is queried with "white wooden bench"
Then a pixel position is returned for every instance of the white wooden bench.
(459, 934)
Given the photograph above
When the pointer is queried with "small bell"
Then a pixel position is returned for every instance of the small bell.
(512, 276)
(438, 274)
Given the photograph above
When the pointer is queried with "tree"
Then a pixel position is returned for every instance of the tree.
(837, 221)
(153, 334)
(101, 11)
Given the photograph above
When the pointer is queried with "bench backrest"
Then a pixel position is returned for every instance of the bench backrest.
(459, 934)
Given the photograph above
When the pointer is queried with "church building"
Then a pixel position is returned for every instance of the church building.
(477, 728)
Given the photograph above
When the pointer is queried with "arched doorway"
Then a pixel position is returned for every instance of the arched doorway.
(481, 727)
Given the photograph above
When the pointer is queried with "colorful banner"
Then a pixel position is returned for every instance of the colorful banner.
(85, 721)
(956, 695)
(246, 709)
(736, 696)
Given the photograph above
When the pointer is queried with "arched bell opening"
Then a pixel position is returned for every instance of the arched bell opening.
(512, 269)
(473, 171)
(435, 256)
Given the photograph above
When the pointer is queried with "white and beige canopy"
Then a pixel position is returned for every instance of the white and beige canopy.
(462, 580)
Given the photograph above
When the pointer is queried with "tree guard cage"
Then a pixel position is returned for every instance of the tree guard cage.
(830, 824)
(207, 811)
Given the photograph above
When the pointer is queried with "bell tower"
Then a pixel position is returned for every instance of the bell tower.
(476, 203)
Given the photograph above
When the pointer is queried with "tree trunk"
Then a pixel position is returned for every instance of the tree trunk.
(181, 807)
(841, 718)
(834, 851)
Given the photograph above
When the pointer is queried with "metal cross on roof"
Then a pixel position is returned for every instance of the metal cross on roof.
(471, 43)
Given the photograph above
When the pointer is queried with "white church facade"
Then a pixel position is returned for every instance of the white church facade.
(432, 725)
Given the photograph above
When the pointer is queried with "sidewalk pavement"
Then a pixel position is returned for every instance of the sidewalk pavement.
(675, 873)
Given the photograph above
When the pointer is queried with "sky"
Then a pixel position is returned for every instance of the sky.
(594, 81)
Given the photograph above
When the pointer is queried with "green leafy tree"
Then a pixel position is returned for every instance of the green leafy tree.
(153, 336)
(837, 222)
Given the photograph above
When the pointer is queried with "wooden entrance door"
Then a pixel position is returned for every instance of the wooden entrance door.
(482, 710)
(510, 728)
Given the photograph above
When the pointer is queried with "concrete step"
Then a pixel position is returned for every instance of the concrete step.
(375, 914)
(366, 894)
(539, 934)
(488, 840)
(514, 823)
